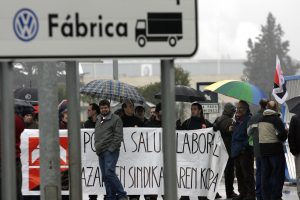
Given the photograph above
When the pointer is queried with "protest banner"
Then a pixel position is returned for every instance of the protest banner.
(201, 159)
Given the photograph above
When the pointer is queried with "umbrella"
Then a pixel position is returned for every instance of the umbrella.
(294, 105)
(22, 105)
(185, 94)
(239, 90)
(28, 94)
(113, 90)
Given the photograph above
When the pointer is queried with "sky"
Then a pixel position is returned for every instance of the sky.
(226, 25)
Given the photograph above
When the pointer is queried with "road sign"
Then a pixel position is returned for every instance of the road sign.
(98, 28)
(210, 108)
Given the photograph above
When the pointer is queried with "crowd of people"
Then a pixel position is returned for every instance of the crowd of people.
(246, 137)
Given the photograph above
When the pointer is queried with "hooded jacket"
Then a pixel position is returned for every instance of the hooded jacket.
(271, 133)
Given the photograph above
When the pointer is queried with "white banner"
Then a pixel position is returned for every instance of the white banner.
(201, 159)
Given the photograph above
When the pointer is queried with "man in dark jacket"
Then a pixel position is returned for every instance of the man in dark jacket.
(93, 111)
(224, 123)
(242, 153)
(128, 118)
(294, 142)
(108, 138)
(271, 136)
(254, 141)
(156, 120)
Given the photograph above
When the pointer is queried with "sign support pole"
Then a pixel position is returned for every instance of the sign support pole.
(8, 141)
(169, 130)
(49, 137)
(115, 69)
(74, 130)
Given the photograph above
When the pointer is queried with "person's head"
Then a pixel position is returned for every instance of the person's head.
(28, 119)
(140, 112)
(104, 106)
(263, 104)
(93, 110)
(272, 105)
(64, 116)
(128, 108)
(196, 110)
(229, 109)
(152, 112)
(242, 108)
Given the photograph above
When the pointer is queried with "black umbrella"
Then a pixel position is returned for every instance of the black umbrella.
(185, 94)
(294, 104)
(27, 94)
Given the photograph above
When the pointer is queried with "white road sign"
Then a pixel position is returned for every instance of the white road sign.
(98, 28)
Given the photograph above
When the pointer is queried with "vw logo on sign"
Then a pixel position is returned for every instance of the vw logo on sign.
(26, 24)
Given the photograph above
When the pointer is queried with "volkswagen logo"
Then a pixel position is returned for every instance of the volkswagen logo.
(26, 24)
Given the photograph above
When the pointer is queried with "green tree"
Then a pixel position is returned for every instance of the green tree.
(261, 56)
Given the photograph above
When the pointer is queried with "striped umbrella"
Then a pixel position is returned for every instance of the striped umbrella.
(112, 90)
(239, 90)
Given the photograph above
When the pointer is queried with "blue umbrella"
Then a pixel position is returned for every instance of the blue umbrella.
(113, 90)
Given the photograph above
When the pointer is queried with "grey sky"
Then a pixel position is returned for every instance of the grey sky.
(234, 21)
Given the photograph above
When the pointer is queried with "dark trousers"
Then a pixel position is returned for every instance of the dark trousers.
(19, 179)
(273, 168)
(245, 175)
(258, 186)
(113, 186)
(229, 176)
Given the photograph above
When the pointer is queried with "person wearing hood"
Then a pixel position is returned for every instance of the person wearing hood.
(271, 136)
(224, 124)
(294, 143)
(242, 153)
(253, 133)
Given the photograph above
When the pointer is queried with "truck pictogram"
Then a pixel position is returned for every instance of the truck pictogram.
(159, 27)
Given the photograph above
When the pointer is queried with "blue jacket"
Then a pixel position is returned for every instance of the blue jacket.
(240, 137)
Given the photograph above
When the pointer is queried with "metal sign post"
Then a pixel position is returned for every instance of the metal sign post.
(169, 129)
(49, 135)
(74, 131)
(115, 69)
(98, 28)
(8, 144)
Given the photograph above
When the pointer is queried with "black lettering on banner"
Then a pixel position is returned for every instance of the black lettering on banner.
(145, 177)
(208, 178)
(136, 146)
(195, 146)
(91, 175)
(142, 142)
(159, 142)
(88, 141)
(203, 144)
